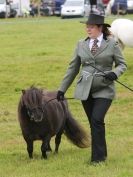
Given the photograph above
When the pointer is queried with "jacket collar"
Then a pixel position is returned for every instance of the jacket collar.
(104, 44)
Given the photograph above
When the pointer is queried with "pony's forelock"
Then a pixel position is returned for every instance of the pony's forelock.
(32, 97)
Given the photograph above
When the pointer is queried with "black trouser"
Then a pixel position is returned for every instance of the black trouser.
(96, 109)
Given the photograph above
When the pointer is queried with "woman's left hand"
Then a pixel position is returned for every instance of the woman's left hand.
(111, 76)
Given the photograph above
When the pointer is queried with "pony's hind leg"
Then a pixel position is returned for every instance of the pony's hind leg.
(58, 141)
(49, 147)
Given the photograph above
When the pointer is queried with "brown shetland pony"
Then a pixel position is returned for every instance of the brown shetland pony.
(41, 116)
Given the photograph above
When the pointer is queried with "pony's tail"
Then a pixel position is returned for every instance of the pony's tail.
(75, 132)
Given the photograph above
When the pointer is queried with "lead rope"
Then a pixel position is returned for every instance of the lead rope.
(71, 98)
(115, 80)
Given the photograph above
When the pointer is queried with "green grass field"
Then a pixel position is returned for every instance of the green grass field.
(36, 51)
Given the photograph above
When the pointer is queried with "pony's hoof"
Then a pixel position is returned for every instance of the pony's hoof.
(31, 157)
(49, 150)
(44, 157)
(55, 152)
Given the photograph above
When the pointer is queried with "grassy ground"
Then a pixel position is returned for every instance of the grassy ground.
(37, 51)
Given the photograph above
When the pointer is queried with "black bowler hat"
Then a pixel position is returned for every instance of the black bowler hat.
(95, 19)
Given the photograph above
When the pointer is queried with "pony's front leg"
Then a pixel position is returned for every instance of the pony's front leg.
(30, 148)
(45, 146)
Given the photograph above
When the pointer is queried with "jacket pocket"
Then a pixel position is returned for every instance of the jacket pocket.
(80, 79)
(99, 83)
(83, 87)
(107, 81)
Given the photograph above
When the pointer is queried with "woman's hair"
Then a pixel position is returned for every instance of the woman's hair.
(105, 30)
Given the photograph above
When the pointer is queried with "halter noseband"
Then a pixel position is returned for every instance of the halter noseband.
(31, 114)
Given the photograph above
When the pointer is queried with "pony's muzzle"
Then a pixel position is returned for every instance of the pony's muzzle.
(38, 119)
(36, 115)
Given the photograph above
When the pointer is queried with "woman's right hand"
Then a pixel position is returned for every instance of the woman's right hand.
(60, 95)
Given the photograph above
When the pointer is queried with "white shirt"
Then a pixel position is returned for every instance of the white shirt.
(99, 38)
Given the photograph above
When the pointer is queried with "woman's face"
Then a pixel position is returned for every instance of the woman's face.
(93, 31)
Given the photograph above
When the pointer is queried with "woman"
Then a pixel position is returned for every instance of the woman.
(93, 4)
(95, 87)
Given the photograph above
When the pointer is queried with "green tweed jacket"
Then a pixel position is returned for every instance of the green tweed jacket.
(91, 81)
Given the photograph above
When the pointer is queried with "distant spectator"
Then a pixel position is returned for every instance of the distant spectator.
(34, 9)
(97, 7)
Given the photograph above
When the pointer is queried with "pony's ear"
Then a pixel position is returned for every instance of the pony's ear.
(23, 92)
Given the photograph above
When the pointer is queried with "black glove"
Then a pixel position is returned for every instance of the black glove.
(60, 95)
(111, 76)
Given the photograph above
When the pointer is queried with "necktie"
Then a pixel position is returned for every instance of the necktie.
(94, 47)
